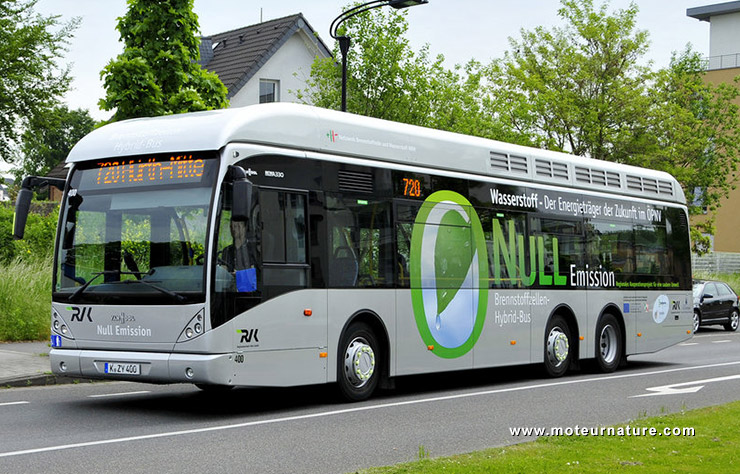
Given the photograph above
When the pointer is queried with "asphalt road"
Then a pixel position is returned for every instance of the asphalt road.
(126, 427)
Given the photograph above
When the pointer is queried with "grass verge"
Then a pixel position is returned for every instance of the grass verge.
(715, 447)
(25, 300)
(732, 279)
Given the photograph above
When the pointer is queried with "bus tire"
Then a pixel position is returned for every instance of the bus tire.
(558, 352)
(359, 363)
(609, 347)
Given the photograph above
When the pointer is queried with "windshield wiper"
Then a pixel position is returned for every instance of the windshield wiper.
(94, 277)
(167, 292)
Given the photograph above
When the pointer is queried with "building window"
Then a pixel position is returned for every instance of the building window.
(269, 91)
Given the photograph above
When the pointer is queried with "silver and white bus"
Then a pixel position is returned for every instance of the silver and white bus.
(284, 245)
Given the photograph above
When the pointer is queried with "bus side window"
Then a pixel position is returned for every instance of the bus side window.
(361, 245)
(284, 227)
(403, 244)
(405, 213)
(611, 245)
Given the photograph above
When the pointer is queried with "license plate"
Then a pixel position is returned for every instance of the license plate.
(122, 368)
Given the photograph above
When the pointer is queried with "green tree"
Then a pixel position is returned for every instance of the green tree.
(387, 79)
(49, 137)
(158, 73)
(581, 88)
(30, 77)
(577, 88)
(695, 136)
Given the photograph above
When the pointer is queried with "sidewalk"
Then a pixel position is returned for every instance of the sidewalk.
(26, 363)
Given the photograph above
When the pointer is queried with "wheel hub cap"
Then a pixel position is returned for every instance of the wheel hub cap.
(557, 346)
(359, 362)
(608, 344)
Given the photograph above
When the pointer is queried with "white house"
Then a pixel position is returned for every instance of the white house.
(266, 62)
(724, 33)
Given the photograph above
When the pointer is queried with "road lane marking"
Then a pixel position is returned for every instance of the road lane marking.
(13, 403)
(720, 342)
(673, 389)
(688, 344)
(102, 395)
(360, 409)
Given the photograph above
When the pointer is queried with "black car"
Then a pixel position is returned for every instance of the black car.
(715, 303)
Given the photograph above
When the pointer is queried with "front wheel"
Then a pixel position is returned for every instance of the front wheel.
(557, 347)
(358, 368)
(609, 344)
(732, 325)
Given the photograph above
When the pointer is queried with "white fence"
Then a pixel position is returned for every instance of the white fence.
(716, 262)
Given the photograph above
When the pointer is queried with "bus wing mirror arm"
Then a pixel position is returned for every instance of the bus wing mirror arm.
(23, 201)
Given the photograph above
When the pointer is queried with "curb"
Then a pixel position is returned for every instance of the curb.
(43, 380)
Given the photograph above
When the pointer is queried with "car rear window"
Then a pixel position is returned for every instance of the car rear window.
(723, 290)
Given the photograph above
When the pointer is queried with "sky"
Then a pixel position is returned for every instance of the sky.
(459, 29)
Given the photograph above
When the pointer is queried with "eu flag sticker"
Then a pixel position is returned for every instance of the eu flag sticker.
(56, 341)
(626, 308)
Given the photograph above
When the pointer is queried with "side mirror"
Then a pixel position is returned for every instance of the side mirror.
(241, 194)
(22, 205)
(241, 203)
(23, 201)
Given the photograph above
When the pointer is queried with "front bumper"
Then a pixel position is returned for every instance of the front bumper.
(213, 369)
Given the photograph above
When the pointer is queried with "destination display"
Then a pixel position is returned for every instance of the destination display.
(145, 171)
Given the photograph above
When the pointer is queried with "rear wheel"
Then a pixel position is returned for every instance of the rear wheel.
(557, 347)
(732, 325)
(608, 344)
(358, 368)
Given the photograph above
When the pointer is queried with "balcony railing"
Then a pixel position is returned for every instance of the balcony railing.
(725, 61)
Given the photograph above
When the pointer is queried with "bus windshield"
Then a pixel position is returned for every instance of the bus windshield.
(134, 231)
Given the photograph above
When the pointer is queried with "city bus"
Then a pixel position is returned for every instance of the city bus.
(284, 245)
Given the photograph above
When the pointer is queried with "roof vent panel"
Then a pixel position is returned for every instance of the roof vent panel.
(499, 161)
(613, 180)
(560, 170)
(510, 163)
(634, 183)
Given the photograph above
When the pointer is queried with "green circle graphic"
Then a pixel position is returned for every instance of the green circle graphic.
(448, 249)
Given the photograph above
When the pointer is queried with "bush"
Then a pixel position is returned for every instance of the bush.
(26, 265)
(25, 300)
(38, 241)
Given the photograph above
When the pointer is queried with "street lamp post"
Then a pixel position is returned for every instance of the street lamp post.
(344, 41)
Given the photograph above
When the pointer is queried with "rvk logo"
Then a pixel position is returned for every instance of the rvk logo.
(80, 313)
(248, 335)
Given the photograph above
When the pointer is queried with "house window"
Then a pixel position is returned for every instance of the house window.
(269, 91)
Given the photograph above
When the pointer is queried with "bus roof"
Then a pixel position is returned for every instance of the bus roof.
(309, 128)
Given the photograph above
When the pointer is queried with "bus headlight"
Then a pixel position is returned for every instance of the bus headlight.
(59, 326)
(194, 328)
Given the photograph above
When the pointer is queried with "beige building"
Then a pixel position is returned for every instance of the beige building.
(723, 65)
